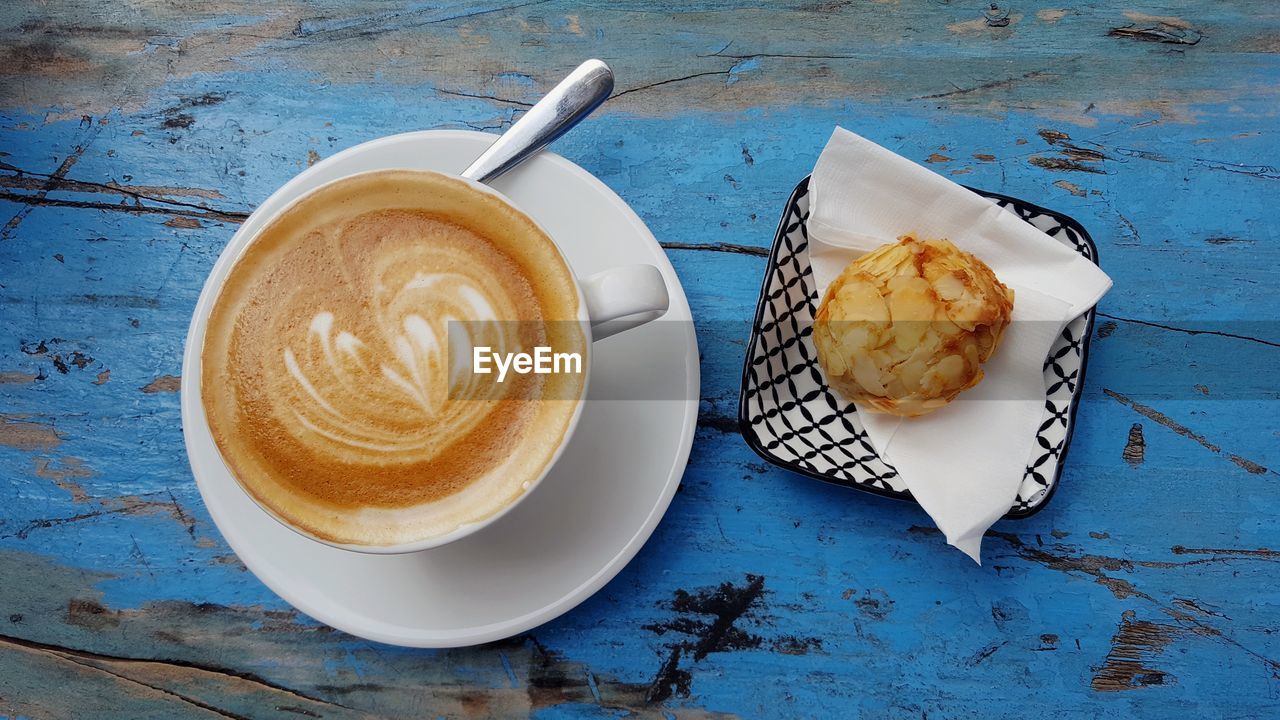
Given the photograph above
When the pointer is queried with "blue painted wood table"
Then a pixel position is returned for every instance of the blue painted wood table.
(136, 136)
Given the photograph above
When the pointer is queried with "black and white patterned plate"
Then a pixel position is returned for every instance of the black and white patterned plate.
(791, 418)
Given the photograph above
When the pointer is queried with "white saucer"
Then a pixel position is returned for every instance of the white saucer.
(585, 521)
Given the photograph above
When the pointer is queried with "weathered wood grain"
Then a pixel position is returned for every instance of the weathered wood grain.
(135, 137)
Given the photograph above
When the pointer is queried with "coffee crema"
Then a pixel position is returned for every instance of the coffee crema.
(328, 377)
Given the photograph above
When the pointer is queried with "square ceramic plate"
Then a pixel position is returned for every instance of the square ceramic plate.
(791, 418)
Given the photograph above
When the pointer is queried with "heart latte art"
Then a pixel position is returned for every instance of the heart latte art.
(336, 366)
(380, 384)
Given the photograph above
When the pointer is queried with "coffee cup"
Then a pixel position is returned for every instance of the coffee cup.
(326, 446)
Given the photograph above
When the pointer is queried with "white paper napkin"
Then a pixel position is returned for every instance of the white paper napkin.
(963, 463)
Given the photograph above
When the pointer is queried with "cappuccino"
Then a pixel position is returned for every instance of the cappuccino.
(331, 380)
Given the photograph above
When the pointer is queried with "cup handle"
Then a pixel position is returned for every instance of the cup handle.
(624, 297)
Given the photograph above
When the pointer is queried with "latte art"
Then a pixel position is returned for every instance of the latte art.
(371, 398)
(335, 367)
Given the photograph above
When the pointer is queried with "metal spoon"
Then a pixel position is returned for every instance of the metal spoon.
(567, 103)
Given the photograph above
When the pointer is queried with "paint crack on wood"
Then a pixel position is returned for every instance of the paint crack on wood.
(1072, 157)
(131, 505)
(992, 85)
(480, 96)
(1168, 422)
(53, 179)
(1191, 331)
(1259, 553)
(64, 474)
(1133, 647)
(1192, 605)
(120, 666)
(227, 216)
(985, 653)
(27, 180)
(343, 29)
(1135, 449)
(1162, 34)
(1265, 172)
(660, 83)
(718, 247)
(1092, 565)
(780, 56)
(187, 521)
(1131, 229)
(1063, 164)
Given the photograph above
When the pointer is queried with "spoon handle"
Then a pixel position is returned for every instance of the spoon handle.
(567, 103)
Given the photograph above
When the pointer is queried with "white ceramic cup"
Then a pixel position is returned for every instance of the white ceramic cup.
(609, 302)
